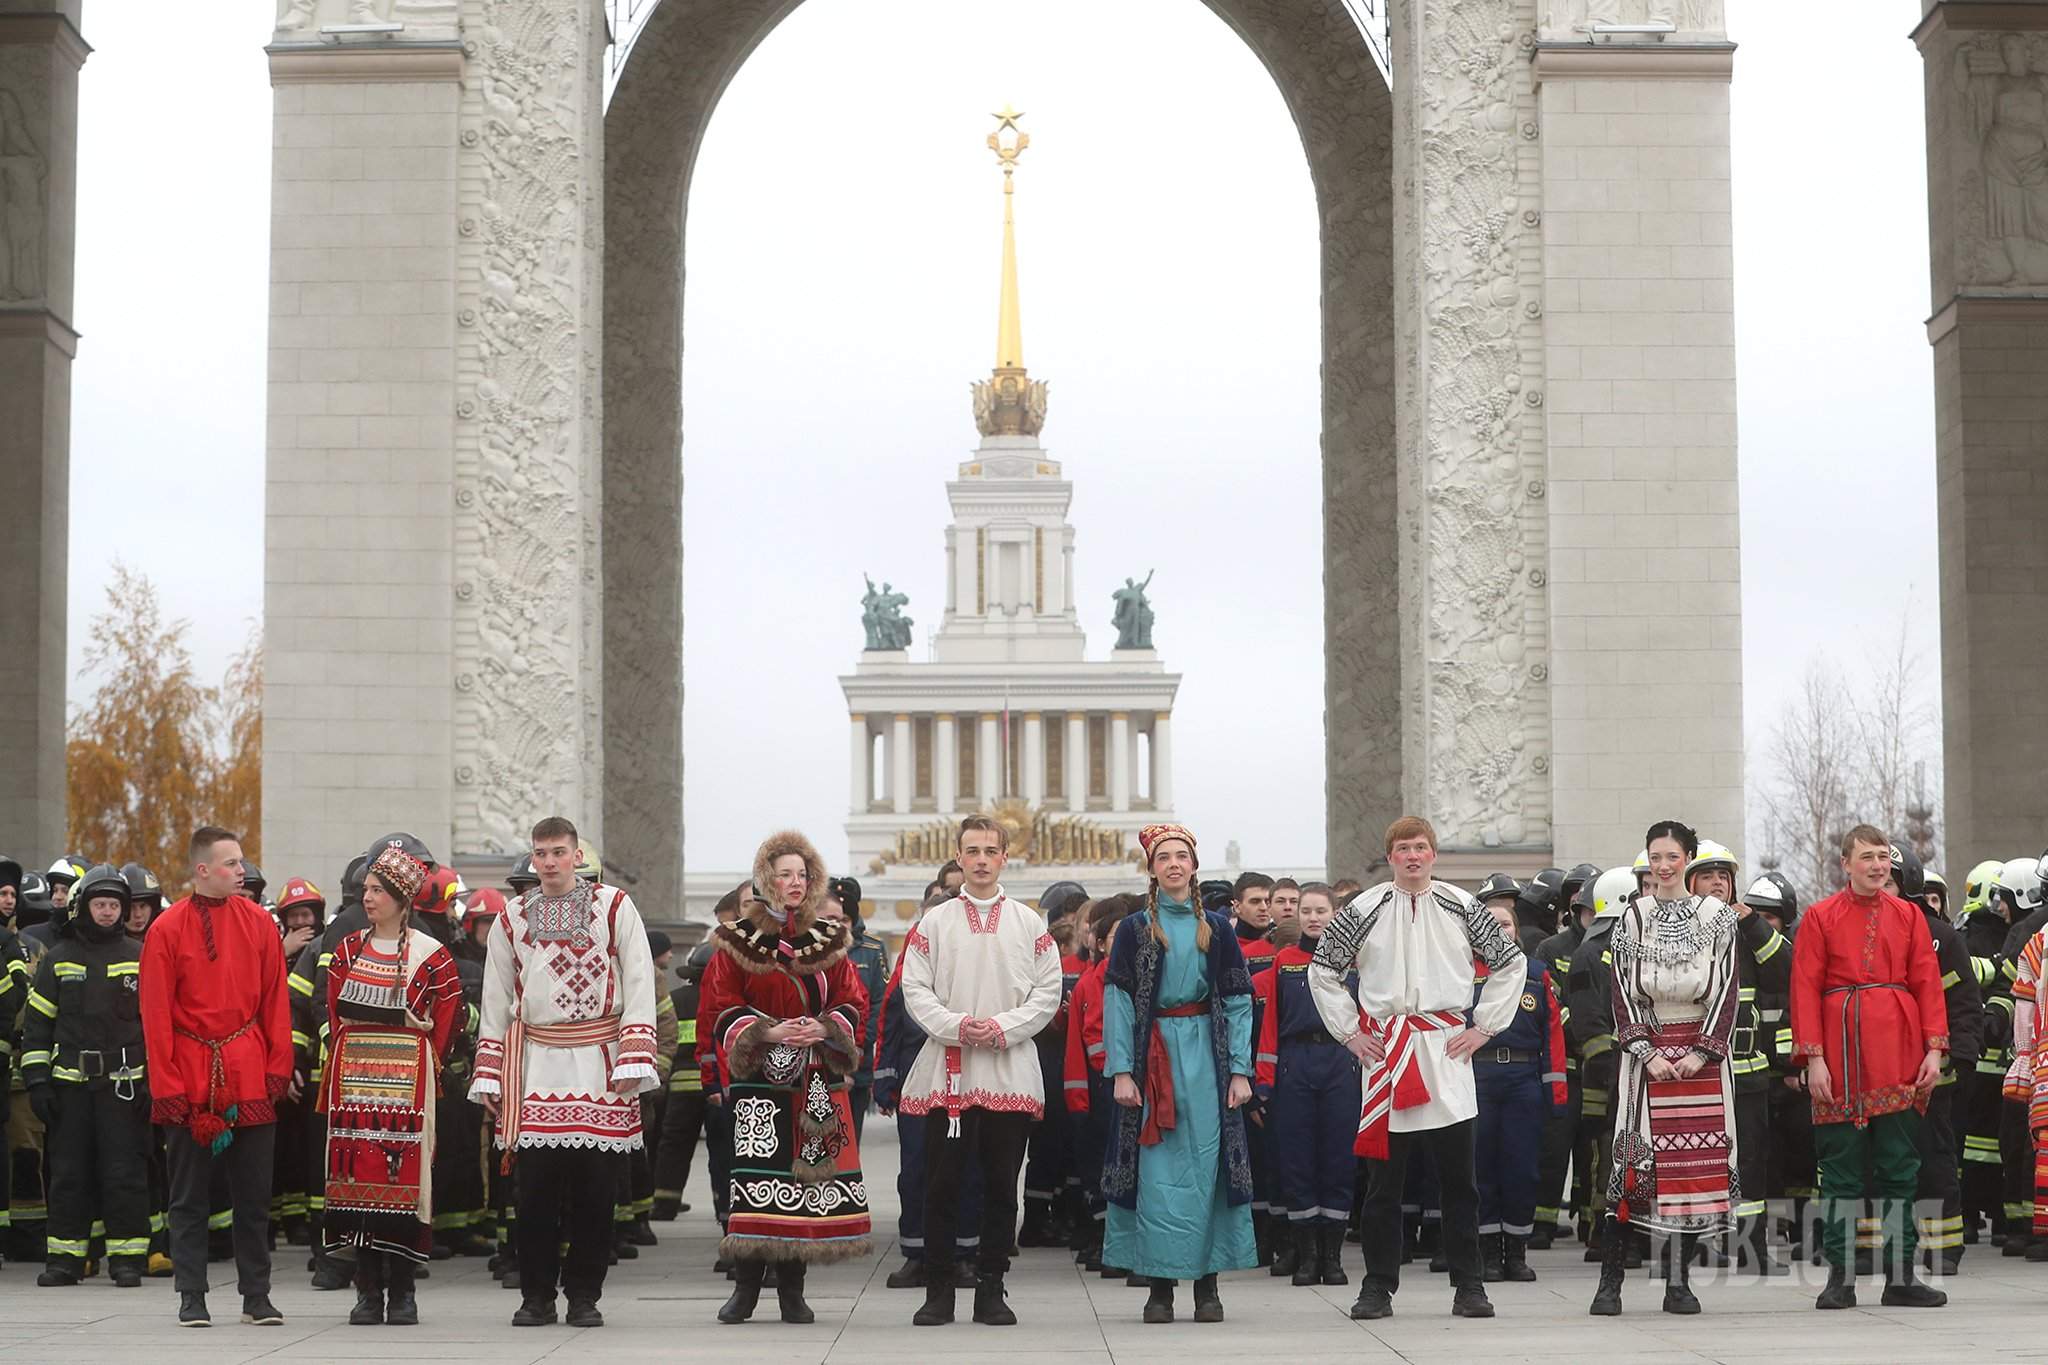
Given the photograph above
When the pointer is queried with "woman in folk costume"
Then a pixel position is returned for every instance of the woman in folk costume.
(1675, 996)
(787, 1007)
(393, 994)
(1177, 1032)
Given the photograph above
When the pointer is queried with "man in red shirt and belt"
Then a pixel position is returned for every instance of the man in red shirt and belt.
(1869, 1019)
(217, 1026)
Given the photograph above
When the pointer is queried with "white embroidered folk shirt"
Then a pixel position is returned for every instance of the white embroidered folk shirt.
(576, 963)
(978, 959)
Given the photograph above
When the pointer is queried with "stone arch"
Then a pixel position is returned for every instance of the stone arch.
(676, 71)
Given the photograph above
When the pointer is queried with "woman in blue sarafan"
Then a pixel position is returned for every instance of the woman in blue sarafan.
(1177, 1026)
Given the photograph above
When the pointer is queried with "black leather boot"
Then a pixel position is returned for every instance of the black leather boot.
(989, 1308)
(1301, 1240)
(1330, 1253)
(1514, 1261)
(1208, 1303)
(937, 1309)
(1287, 1257)
(402, 1308)
(1904, 1291)
(789, 1293)
(1492, 1257)
(1613, 1260)
(369, 1309)
(1678, 1295)
(1840, 1291)
(746, 1290)
(1159, 1303)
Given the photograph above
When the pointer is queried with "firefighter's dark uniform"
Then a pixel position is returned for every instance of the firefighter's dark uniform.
(1941, 1235)
(1763, 960)
(82, 1040)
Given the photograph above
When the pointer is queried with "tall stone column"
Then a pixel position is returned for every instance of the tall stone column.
(1633, 286)
(1162, 762)
(900, 765)
(1986, 77)
(1473, 642)
(1076, 761)
(363, 500)
(988, 762)
(1120, 741)
(945, 763)
(41, 51)
(435, 361)
(860, 755)
(1034, 758)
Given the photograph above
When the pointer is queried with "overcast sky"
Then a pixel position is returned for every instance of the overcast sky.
(844, 233)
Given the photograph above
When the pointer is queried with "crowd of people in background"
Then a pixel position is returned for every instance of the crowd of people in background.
(1667, 1062)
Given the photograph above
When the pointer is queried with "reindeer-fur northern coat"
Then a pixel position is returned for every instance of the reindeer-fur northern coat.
(797, 1192)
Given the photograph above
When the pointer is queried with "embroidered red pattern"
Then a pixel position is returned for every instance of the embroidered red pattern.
(1044, 945)
(974, 1099)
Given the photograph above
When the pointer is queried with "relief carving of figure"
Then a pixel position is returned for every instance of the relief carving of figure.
(23, 174)
(2007, 102)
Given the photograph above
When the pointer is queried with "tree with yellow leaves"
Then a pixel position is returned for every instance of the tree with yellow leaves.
(145, 765)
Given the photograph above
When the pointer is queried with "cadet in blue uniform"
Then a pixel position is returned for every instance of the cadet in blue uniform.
(1314, 1081)
(82, 1065)
(1519, 1078)
(870, 959)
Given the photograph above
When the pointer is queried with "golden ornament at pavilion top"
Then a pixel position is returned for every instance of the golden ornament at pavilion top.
(1009, 402)
(1046, 838)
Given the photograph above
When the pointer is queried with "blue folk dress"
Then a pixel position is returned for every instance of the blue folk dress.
(1185, 1225)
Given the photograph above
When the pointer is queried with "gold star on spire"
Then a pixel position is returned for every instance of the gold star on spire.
(1006, 119)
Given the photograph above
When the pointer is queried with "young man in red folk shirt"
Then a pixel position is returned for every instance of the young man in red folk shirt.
(1869, 1019)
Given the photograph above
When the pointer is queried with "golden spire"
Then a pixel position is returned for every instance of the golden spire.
(1009, 319)
(1010, 402)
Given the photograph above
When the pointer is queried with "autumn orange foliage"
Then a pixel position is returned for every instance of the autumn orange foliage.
(154, 753)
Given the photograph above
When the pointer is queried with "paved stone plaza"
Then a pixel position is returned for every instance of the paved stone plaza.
(660, 1308)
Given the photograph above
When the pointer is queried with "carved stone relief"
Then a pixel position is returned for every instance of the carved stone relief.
(423, 19)
(525, 556)
(24, 194)
(1467, 430)
(1567, 20)
(1997, 131)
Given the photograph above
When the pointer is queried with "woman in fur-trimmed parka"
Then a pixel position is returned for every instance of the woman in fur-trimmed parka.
(787, 1007)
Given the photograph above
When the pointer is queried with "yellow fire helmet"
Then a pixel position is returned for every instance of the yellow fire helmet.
(589, 866)
(1977, 889)
(1711, 854)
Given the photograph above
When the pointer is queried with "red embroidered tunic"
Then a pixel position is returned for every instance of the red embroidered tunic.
(1866, 997)
(213, 973)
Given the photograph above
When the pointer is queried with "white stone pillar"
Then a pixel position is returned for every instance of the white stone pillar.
(40, 54)
(945, 762)
(1076, 767)
(862, 786)
(987, 759)
(1120, 746)
(1162, 762)
(371, 374)
(1034, 758)
(899, 765)
(1632, 299)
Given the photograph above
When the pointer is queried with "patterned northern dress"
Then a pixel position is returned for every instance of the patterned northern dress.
(797, 1191)
(393, 1006)
(568, 1020)
(1676, 987)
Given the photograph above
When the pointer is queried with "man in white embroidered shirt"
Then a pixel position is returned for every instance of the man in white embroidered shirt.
(981, 976)
(1413, 942)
